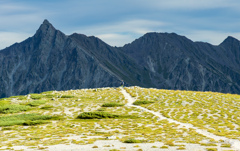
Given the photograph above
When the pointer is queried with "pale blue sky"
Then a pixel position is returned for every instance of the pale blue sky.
(118, 22)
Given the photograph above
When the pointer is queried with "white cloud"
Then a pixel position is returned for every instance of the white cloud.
(10, 8)
(116, 39)
(120, 33)
(132, 26)
(9, 38)
(17, 16)
(121, 22)
(194, 4)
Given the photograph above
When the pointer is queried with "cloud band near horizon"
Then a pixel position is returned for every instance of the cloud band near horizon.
(120, 22)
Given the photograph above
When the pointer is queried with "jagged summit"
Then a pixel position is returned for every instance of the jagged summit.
(45, 29)
(46, 25)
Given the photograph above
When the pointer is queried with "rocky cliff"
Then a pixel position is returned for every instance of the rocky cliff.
(51, 60)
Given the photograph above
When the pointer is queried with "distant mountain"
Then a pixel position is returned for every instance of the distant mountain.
(176, 62)
(50, 60)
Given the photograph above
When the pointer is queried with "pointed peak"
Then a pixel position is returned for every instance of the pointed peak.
(230, 39)
(46, 22)
(46, 25)
(46, 28)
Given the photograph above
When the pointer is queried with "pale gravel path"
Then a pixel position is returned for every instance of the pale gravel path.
(235, 143)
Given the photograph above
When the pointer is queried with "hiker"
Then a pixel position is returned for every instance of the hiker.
(122, 83)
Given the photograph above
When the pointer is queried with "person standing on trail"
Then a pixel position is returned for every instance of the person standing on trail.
(122, 83)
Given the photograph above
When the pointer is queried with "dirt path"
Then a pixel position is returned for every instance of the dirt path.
(235, 143)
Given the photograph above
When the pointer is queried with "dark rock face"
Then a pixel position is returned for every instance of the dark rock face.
(176, 62)
(50, 60)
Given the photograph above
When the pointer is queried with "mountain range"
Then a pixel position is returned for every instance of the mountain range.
(51, 60)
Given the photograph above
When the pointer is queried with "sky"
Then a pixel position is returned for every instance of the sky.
(119, 22)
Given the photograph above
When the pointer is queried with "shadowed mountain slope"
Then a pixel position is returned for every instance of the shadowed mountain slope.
(176, 62)
(50, 60)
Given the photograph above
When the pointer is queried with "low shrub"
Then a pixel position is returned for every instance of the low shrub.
(211, 149)
(49, 96)
(96, 115)
(30, 123)
(142, 102)
(132, 140)
(24, 119)
(13, 108)
(169, 143)
(113, 104)
(36, 103)
(226, 145)
(181, 148)
(47, 107)
(20, 97)
(67, 96)
(163, 147)
(102, 115)
(208, 144)
(3, 102)
(101, 109)
(36, 96)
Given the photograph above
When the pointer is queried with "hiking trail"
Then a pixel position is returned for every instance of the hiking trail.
(235, 144)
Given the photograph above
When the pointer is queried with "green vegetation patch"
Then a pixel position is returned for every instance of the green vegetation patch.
(101, 115)
(36, 96)
(47, 107)
(208, 144)
(112, 104)
(37, 103)
(142, 102)
(13, 108)
(132, 140)
(226, 145)
(31, 123)
(211, 149)
(20, 97)
(67, 96)
(96, 115)
(3, 102)
(24, 119)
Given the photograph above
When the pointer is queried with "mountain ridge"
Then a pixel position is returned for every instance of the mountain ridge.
(51, 60)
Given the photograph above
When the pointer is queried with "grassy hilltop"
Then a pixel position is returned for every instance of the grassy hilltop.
(84, 116)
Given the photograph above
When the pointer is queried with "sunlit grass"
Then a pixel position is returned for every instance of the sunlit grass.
(215, 112)
(200, 109)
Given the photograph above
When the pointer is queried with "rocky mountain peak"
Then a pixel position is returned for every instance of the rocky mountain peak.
(50, 60)
(230, 40)
(48, 35)
(46, 22)
(46, 29)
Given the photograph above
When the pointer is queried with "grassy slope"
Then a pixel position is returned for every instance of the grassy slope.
(212, 111)
(216, 112)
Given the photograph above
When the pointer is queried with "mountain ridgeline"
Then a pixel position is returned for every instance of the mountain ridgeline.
(51, 60)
